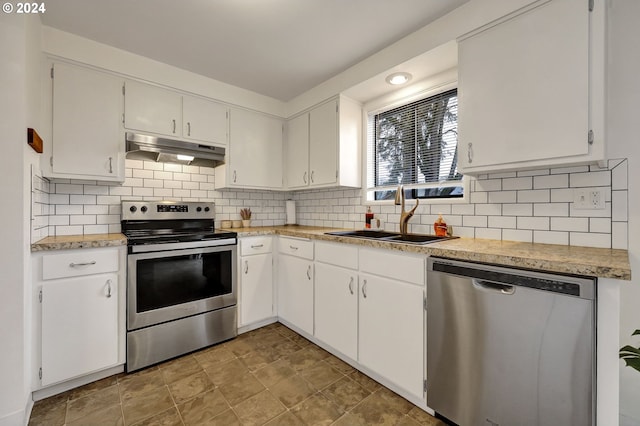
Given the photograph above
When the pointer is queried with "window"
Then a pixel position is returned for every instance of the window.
(415, 145)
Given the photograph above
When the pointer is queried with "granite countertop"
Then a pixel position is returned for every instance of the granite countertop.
(65, 242)
(588, 261)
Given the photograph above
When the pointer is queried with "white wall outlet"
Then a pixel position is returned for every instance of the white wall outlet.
(588, 199)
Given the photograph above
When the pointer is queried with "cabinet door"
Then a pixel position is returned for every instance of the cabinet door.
(204, 121)
(297, 152)
(256, 288)
(323, 144)
(87, 134)
(524, 88)
(391, 331)
(295, 292)
(255, 150)
(336, 308)
(152, 109)
(79, 326)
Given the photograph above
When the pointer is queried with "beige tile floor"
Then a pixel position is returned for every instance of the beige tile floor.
(269, 376)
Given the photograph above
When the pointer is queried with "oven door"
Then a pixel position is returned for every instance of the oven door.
(168, 285)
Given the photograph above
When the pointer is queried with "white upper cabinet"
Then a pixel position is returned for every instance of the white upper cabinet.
(297, 152)
(153, 109)
(527, 89)
(204, 121)
(254, 157)
(324, 146)
(87, 136)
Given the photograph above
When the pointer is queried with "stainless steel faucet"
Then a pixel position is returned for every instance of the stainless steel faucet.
(404, 215)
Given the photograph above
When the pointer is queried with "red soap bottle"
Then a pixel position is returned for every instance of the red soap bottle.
(440, 227)
(368, 218)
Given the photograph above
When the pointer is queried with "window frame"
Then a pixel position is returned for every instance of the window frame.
(393, 102)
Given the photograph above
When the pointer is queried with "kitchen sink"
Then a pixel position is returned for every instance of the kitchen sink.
(393, 237)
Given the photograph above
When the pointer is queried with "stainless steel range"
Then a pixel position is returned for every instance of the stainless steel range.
(181, 280)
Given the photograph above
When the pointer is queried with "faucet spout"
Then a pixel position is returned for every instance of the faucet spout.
(404, 215)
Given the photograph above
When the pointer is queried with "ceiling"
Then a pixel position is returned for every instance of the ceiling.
(278, 48)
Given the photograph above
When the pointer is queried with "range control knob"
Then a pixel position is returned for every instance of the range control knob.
(206, 209)
(199, 209)
(143, 209)
(133, 209)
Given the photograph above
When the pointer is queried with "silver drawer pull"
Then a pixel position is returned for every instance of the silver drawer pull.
(351, 285)
(73, 265)
(309, 272)
(257, 246)
(293, 247)
(364, 289)
(108, 289)
(246, 266)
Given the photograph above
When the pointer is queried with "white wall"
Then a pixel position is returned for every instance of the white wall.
(624, 139)
(19, 109)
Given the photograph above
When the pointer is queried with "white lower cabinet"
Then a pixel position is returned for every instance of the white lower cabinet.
(79, 313)
(79, 326)
(336, 308)
(295, 283)
(256, 280)
(391, 331)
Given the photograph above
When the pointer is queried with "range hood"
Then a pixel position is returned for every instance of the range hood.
(152, 148)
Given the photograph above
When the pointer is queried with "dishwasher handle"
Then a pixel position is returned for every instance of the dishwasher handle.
(495, 287)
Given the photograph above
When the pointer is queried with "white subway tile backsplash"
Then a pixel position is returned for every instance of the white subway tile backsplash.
(551, 181)
(517, 183)
(551, 237)
(579, 224)
(600, 224)
(551, 209)
(539, 223)
(581, 180)
(534, 196)
(489, 233)
(590, 239)
(531, 205)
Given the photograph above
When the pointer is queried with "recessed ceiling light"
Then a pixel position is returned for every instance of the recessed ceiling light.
(398, 78)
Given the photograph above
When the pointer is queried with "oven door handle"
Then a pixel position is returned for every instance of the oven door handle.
(146, 248)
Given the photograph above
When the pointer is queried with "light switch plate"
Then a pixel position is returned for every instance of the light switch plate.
(589, 199)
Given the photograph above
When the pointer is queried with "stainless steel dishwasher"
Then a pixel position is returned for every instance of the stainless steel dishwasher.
(508, 346)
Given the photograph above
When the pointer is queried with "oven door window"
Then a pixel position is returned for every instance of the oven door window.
(168, 281)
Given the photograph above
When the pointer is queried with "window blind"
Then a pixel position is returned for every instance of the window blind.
(415, 145)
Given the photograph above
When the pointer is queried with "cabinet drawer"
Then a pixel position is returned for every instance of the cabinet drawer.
(296, 247)
(255, 245)
(401, 267)
(343, 255)
(81, 262)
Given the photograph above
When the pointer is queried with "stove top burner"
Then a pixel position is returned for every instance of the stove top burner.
(158, 222)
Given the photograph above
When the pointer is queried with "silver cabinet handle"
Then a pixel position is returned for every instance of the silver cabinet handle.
(73, 265)
(174, 126)
(312, 172)
(110, 164)
(257, 246)
(309, 272)
(188, 128)
(470, 152)
(109, 289)
(293, 247)
(304, 177)
(351, 285)
(235, 175)
(246, 266)
(364, 289)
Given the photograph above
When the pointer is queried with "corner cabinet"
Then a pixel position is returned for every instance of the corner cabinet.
(531, 89)
(164, 112)
(256, 281)
(79, 313)
(87, 139)
(324, 146)
(254, 157)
